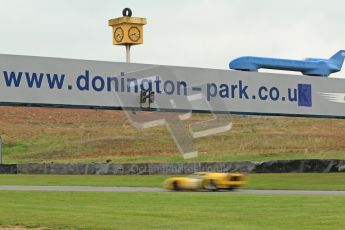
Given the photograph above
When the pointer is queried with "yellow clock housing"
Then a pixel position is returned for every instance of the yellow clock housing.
(127, 30)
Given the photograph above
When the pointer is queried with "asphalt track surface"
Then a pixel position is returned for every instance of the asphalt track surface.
(146, 189)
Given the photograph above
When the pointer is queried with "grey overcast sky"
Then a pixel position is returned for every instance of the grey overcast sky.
(198, 33)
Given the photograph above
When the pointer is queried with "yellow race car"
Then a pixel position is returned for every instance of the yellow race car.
(206, 180)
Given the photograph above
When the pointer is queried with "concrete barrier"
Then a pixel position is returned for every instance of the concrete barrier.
(300, 166)
(8, 169)
(133, 168)
(278, 166)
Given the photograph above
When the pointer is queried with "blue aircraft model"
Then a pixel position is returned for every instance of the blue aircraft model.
(309, 66)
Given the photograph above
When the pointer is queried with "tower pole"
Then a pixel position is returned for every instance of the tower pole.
(128, 53)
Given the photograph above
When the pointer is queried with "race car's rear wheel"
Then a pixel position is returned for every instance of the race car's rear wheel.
(210, 185)
(176, 186)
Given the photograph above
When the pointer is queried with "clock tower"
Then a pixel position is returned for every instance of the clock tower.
(127, 30)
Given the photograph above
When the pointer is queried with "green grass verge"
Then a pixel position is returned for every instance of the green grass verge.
(302, 181)
(91, 210)
(299, 181)
(83, 180)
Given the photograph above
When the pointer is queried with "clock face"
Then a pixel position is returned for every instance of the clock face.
(118, 34)
(134, 34)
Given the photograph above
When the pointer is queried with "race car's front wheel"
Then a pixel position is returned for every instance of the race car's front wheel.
(210, 185)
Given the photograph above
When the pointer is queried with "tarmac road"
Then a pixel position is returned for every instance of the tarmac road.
(146, 189)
